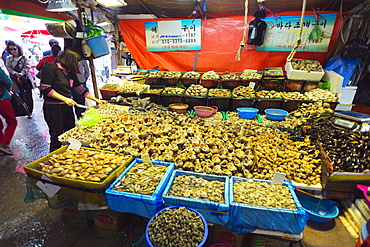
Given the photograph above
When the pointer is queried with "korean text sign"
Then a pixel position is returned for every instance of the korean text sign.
(282, 33)
(187, 38)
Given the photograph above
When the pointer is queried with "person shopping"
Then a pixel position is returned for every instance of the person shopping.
(19, 67)
(57, 80)
(7, 112)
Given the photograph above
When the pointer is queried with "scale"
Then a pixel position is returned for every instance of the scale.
(352, 120)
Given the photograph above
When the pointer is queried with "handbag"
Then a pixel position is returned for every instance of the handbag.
(2, 88)
(39, 74)
(19, 106)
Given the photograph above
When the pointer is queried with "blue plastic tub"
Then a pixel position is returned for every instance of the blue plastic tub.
(213, 212)
(245, 218)
(276, 114)
(318, 210)
(143, 205)
(247, 112)
(201, 216)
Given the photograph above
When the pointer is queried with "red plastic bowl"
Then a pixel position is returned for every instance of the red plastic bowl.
(205, 111)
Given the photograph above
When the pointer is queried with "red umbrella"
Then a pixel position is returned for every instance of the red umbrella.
(35, 33)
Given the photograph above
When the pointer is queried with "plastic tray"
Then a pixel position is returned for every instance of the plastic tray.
(246, 218)
(214, 212)
(108, 94)
(143, 205)
(81, 190)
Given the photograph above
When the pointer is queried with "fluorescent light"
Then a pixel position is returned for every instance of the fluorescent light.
(112, 3)
(60, 6)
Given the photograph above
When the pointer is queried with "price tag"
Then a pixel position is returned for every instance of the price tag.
(278, 178)
(252, 84)
(49, 189)
(74, 144)
(146, 159)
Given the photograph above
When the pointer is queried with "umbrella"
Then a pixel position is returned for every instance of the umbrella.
(35, 33)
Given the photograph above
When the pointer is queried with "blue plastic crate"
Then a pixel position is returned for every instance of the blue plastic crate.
(213, 212)
(246, 218)
(143, 205)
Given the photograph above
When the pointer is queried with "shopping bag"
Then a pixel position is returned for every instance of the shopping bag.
(19, 106)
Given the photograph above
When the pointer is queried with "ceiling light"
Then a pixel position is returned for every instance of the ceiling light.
(60, 6)
(112, 3)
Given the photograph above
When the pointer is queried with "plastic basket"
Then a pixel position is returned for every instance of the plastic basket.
(214, 212)
(202, 242)
(139, 204)
(87, 191)
(246, 218)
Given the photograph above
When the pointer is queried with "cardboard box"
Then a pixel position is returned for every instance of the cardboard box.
(108, 223)
(257, 240)
(73, 217)
(224, 235)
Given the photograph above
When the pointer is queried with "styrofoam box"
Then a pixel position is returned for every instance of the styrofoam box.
(143, 205)
(294, 74)
(213, 212)
(246, 218)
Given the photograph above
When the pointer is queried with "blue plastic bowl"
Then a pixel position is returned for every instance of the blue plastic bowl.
(276, 114)
(247, 112)
(318, 210)
(192, 209)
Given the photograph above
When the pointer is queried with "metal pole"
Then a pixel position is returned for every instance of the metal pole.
(93, 76)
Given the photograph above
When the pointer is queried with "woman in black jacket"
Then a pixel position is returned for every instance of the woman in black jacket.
(57, 80)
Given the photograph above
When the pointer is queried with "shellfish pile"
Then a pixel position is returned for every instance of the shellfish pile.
(219, 92)
(176, 227)
(83, 164)
(293, 96)
(173, 90)
(306, 65)
(169, 74)
(143, 178)
(265, 94)
(196, 90)
(263, 194)
(319, 94)
(210, 75)
(191, 75)
(250, 75)
(154, 74)
(198, 188)
(244, 92)
(230, 76)
(197, 144)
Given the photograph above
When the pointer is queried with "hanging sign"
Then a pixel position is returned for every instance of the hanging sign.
(182, 35)
(282, 33)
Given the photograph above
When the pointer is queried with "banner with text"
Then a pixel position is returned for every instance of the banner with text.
(182, 35)
(282, 32)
